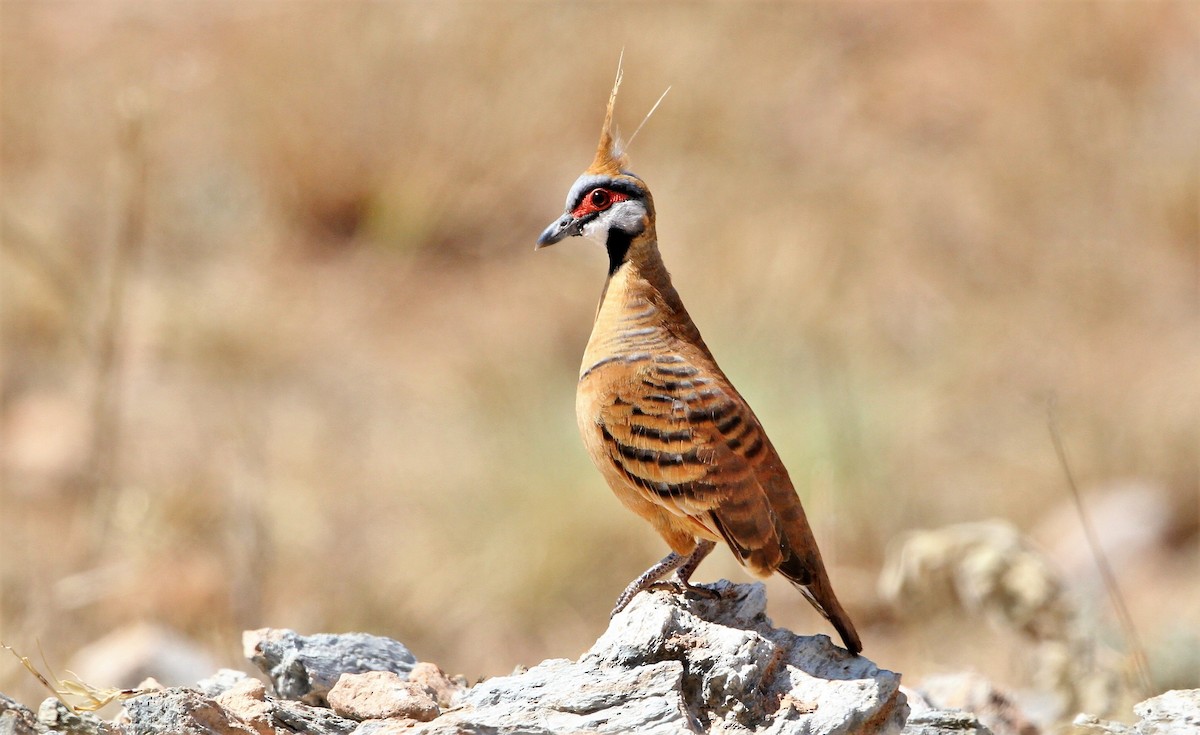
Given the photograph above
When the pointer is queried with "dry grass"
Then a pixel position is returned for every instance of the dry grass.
(340, 388)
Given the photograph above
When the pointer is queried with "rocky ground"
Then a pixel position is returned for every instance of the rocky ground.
(667, 664)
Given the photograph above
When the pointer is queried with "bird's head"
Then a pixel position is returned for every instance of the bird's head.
(607, 203)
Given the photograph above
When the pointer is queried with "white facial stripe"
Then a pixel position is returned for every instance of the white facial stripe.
(596, 230)
(626, 216)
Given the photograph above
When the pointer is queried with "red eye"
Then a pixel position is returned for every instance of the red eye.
(598, 200)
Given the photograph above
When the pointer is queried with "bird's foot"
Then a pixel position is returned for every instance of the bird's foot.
(680, 587)
(648, 580)
(683, 566)
(683, 589)
(701, 590)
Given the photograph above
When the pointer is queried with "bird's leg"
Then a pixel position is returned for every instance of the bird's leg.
(684, 573)
(669, 563)
(683, 566)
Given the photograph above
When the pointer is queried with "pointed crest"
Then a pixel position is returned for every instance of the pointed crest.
(648, 114)
(610, 159)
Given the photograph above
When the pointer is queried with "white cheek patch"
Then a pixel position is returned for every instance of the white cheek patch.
(597, 229)
(626, 216)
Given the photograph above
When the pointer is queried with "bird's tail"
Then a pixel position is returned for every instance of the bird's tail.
(813, 582)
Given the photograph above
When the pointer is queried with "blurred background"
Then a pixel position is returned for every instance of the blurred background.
(277, 350)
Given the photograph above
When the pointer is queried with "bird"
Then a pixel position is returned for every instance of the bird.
(673, 438)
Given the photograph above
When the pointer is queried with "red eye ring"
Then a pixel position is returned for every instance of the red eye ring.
(598, 200)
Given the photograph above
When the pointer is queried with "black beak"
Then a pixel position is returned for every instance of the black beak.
(562, 228)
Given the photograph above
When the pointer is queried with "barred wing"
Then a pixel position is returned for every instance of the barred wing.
(686, 441)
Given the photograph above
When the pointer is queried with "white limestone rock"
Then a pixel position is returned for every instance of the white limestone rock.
(669, 664)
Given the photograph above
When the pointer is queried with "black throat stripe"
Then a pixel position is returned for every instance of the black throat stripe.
(618, 247)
